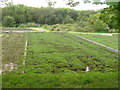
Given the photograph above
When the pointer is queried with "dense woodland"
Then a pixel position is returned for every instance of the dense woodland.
(58, 18)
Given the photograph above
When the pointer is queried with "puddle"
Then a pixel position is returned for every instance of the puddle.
(7, 67)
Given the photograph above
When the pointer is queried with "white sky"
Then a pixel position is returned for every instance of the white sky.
(59, 4)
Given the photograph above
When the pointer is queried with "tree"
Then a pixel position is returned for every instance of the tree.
(110, 16)
(96, 24)
(8, 21)
(114, 4)
(20, 12)
(72, 3)
(73, 14)
(83, 17)
(50, 3)
(49, 15)
(69, 20)
(99, 26)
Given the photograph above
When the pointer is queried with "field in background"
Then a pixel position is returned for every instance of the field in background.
(57, 60)
(105, 39)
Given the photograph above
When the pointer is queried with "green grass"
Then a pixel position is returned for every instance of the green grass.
(66, 80)
(91, 32)
(59, 60)
(111, 41)
(13, 46)
(12, 27)
(32, 29)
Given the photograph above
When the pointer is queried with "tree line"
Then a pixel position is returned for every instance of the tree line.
(18, 15)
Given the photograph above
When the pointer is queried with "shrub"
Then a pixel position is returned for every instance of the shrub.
(55, 26)
(31, 24)
(99, 26)
(47, 26)
(86, 29)
(8, 21)
(68, 20)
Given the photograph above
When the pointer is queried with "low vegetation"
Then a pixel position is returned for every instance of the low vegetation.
(13, 47)
(103, 39)
(58, 60)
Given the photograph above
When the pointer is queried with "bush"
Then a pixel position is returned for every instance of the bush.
(65, 27)
(86, 29)
(49, 27)
(32, 24)
(55, 26)
(68, 20)
(76, 28)
(8, 21)
(99, 26)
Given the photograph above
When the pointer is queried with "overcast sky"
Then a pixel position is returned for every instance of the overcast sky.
(59, 4)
